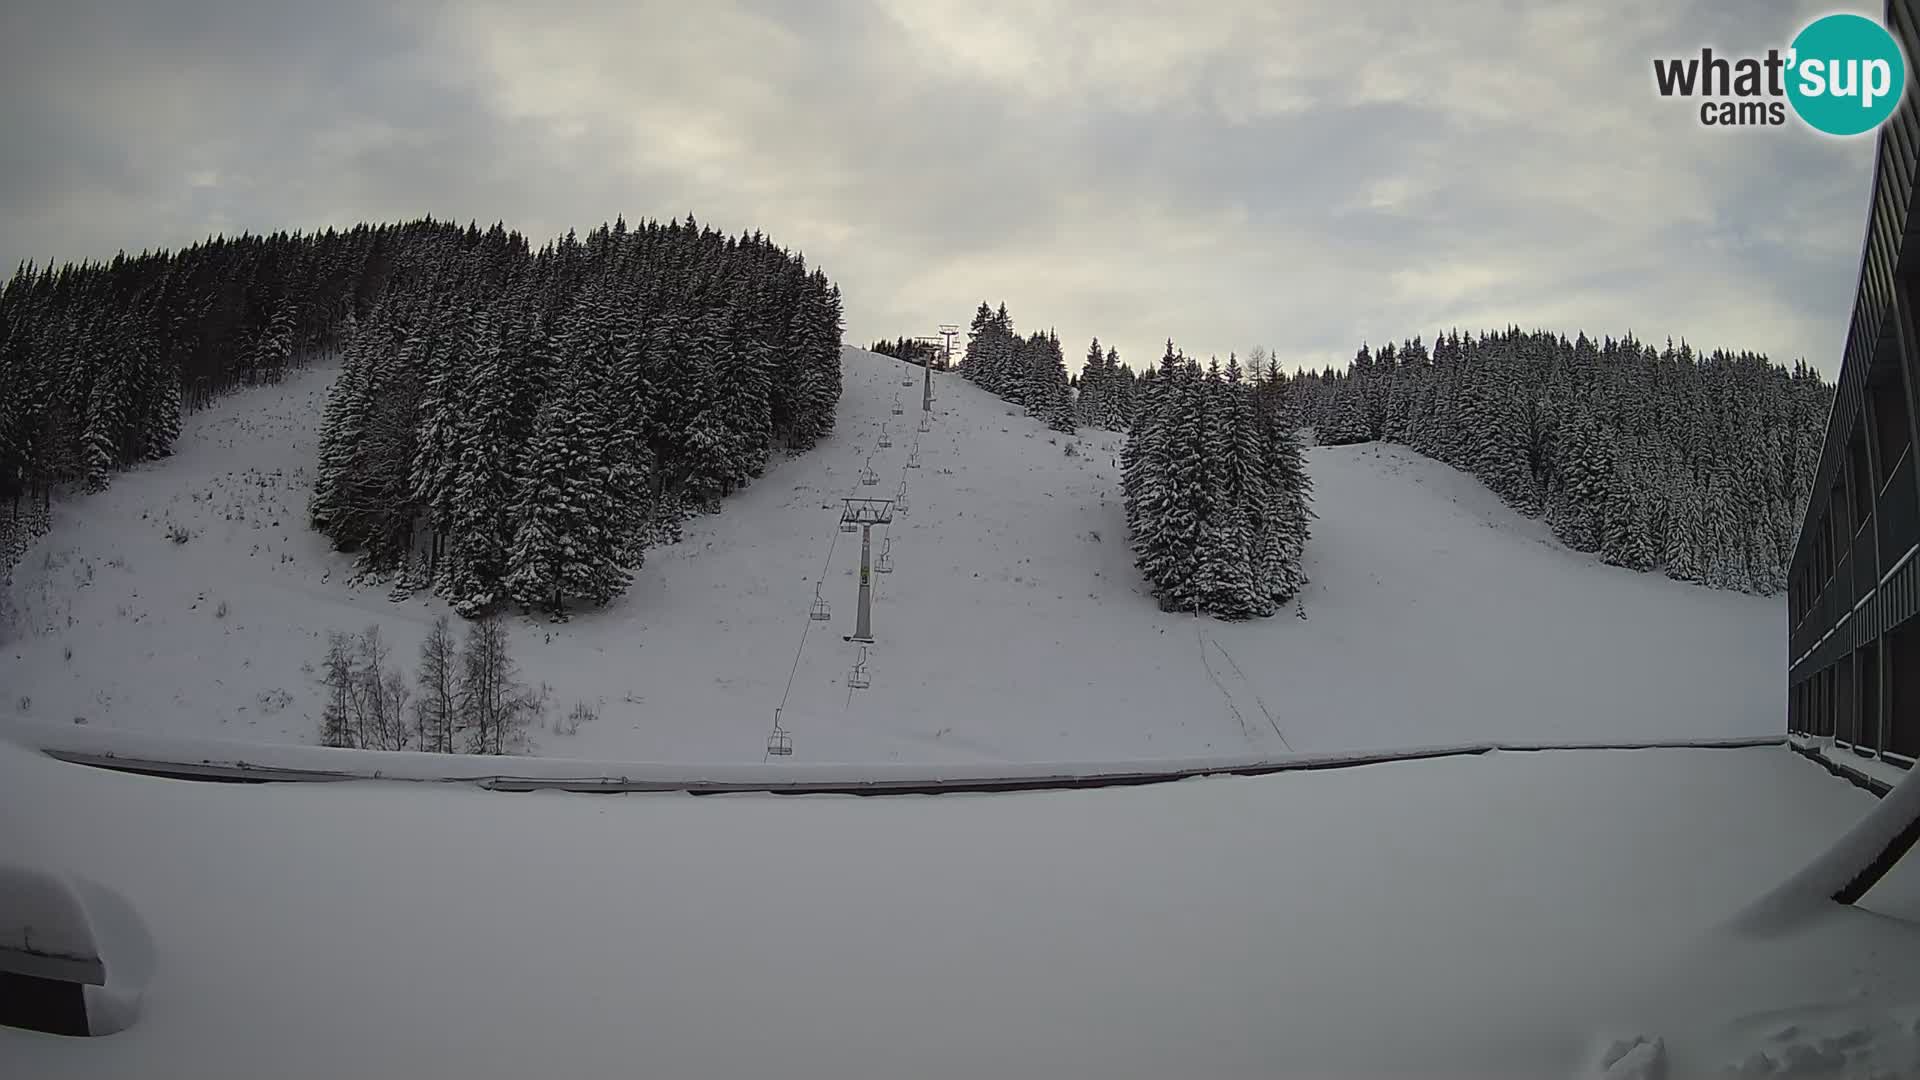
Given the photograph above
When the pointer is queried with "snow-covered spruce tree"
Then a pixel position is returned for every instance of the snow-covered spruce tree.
(1145, 462)
(1089, 403)
(1282, 538)
(1345, 419)
(973, 360)
(1215, 493)
(109, 408)
(1230, 557)
(476, 534)
(567, 542)
(1119, 395)
(1048, 397)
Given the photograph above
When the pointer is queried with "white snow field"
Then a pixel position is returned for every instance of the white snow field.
(1014, 629)
(1512, 915)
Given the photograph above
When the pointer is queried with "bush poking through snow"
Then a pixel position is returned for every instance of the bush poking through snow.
(179, 534)
(582, 713)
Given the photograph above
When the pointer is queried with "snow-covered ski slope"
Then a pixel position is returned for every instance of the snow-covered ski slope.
(1013, 628)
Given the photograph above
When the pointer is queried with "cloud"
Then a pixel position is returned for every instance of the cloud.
(1236, 174)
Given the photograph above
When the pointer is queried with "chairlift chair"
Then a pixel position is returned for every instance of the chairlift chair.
(867, 475)
(857, 678)
(897, 407)
(913, 459)
(779, 743)
(885, 564)
(886, 440)
(819, 610)
(926, 423)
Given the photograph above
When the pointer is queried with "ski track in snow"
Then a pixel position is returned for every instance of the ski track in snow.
(1014, 628)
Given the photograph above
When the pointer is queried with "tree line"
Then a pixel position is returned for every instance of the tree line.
(507, 426)
(98, 360)
(1696, 465)
(516, 427)
(1029, 371)
(921, 353)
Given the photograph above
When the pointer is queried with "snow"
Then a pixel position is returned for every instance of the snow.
(43, 926)
(1015, 628)
(1849, 760)
(1504, 914)
(1805, 893)
(186, 755)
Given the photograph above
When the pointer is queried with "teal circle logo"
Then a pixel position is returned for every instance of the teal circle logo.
(1846, 74)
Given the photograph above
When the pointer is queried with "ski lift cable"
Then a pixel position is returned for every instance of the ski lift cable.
(818, 583)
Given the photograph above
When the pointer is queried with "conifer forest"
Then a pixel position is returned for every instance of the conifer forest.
(508, 425)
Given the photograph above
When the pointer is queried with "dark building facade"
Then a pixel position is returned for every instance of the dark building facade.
(1854, 584)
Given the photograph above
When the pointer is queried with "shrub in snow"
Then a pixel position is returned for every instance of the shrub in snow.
(582, 713)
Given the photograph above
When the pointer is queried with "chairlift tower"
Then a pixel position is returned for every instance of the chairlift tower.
(948, 331)
(866, 513)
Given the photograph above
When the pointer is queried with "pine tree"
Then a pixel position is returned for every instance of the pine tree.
(1089, 405)
(566, 543)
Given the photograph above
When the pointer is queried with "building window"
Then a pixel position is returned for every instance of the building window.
(1844, 728)
(1868, 721)
(1903, 689)
(1860, 481)
(1892, 436)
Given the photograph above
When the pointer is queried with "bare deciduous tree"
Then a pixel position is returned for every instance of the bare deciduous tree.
(337, 718)
(495, 708)
(436, 711)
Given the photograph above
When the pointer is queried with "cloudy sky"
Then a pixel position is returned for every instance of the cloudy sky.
(1295, 175)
